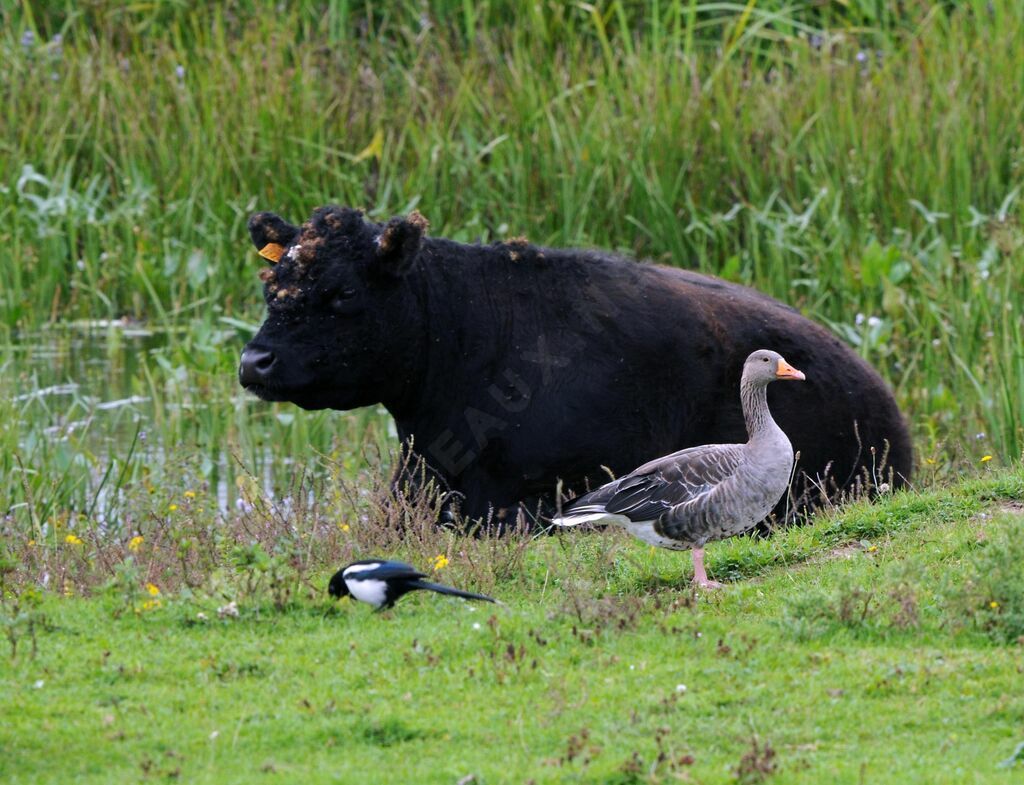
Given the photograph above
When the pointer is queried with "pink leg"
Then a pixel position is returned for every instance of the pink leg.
(699, 576)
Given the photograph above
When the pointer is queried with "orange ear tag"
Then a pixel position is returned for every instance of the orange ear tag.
(272, 252)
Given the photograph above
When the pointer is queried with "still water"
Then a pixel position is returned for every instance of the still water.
(97, 406)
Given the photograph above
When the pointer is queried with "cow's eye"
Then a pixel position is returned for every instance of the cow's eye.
(343, 297)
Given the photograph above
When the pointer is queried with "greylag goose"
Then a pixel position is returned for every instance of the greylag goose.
(699, 494)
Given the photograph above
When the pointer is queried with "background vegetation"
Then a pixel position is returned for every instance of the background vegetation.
(861, 160)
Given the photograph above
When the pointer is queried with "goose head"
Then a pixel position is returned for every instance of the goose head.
(765, 366)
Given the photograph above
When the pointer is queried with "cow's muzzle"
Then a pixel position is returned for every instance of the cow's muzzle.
(256, 367)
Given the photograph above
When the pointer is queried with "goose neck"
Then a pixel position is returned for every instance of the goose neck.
(754, 398)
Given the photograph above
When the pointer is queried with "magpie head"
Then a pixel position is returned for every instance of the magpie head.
(337, 588)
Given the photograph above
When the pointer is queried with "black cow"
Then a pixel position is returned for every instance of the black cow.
(510, 368)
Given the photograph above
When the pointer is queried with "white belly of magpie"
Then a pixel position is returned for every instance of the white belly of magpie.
(368, 590)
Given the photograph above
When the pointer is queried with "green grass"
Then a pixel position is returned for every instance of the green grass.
(857, 653)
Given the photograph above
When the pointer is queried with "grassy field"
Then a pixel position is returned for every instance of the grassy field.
(860, 160)
(870, 646)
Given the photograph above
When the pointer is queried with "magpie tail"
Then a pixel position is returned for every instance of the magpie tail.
(442, 589)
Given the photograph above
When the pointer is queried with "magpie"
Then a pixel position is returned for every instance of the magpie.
(381, 583)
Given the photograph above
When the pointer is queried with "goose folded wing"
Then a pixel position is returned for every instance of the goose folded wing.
(658, 486)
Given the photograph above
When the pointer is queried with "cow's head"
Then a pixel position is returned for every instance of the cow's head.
(342, 322)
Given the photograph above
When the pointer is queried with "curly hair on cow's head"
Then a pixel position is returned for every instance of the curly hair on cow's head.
(314, 256)
(332, 221)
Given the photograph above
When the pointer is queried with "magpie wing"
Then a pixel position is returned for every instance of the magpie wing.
(383, 571)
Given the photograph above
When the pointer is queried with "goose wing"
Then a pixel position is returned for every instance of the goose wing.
(658, 486)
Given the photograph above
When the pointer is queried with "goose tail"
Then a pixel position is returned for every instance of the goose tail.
(576, 517)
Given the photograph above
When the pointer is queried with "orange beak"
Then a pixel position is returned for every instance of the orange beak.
(787, 371)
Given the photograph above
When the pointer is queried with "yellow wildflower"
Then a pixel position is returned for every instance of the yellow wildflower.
(153, 589)
(149, 605)
(440, 562)
(172, 507)
(986, 458)
(993, 605)
(872, 548)
(72, 540)
(135, 543)
(31, 543)
(930, 461)
(190, 494)
(344, 527)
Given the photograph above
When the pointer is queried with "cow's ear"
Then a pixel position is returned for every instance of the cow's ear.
(399, 243)
(270, 234)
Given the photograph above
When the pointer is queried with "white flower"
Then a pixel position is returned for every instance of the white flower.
(476, 625)
(229, 611)
(680, 688)
(874, 321)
